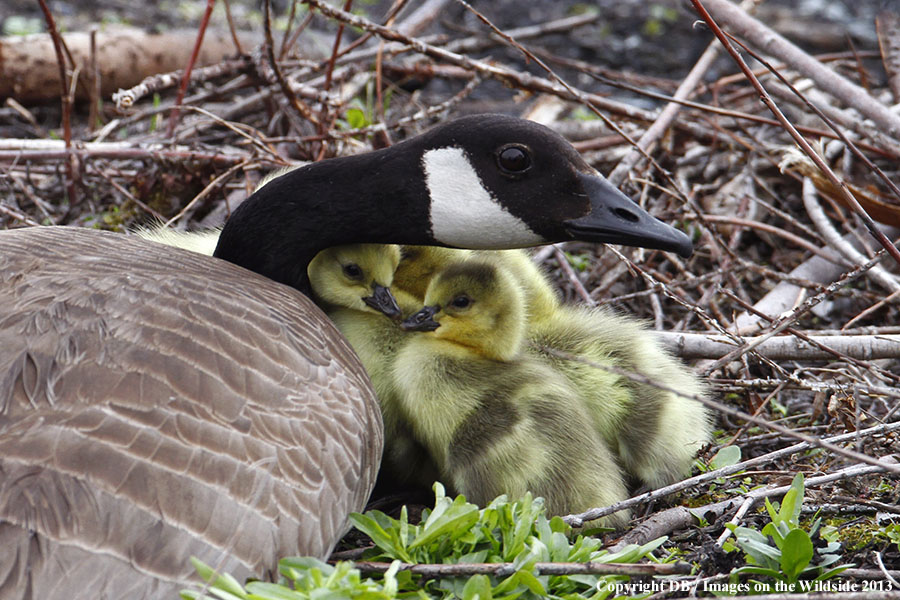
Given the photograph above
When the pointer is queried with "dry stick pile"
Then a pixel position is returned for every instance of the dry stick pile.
(788, 303)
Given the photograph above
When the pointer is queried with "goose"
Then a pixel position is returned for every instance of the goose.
(494, 420)
(157, 404)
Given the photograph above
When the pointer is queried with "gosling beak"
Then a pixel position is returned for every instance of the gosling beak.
(384, 302)
(422, 320)
(616, 219)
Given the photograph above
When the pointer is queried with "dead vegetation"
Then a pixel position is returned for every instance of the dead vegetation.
(789, 303)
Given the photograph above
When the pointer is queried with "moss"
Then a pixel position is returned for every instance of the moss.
(857, 533)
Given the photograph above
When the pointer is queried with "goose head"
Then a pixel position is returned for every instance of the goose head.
(483, 181)
(474, 304)
(356, 276)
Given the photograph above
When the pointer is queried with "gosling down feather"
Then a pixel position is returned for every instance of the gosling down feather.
(494, 419)
(157, 404)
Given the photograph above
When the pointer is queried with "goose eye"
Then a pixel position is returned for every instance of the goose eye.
(461, 302)
(353, 271)
(514, 159)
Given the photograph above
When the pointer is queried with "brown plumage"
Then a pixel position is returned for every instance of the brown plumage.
(239, 475)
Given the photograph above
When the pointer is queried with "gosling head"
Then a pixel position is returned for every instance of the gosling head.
(356, 276)
(474, 304)
(418, 265)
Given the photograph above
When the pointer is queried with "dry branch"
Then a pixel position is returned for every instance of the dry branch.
(782, 348)
(771, 43)
(679, 517)
(646, 497)
(28, 70)
(787, 294)
(540, 568)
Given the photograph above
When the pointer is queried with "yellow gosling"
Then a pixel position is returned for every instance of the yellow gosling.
(495, 420)
(346, 281)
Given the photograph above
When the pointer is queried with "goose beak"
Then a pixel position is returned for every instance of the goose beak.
(384, 302)
(616, 219)
(422, 320)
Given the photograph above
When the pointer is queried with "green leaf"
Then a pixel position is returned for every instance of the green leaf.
(793, 502)
(534, 584)
(833, 572)
(356, 118)
(293, 567)
(220, 581)
(273, 591)
(751, 570)
(796, 553)
(727, 456)
(632, 552)
(478, 588)
(772, 510)
(771, 529)
(455, 519)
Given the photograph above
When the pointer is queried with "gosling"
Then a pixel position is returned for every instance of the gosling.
(654, 433)
(494, 419)
(354, 285)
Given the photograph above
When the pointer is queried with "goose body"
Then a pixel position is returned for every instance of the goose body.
(139, 426)
(157, 404)
(494, 419)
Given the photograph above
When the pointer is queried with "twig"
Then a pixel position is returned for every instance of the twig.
(667, 116)
(563, 263)
(887, 25)
(786, 294)
(65, 99)
(124, 99)
(837, 130)
(329, 69)
(738, 516)
(827, 79)
(302, 109)
(54, 150)
(823, 225)
(680, 517)
(884, 570)
(212, 186)
(484, 68)
(691, 346)
(231, 28)
(784, 321)
(578, 520)
(782, 233)
(541, 568)
(173, 116)
(894, 126)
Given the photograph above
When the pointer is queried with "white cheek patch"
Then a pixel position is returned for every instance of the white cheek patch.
(463, 212)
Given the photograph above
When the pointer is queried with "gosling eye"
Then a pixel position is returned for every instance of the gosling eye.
(514, 159)
(462, 301)
(353, 271)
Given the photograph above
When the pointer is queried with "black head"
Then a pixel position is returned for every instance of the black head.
(484, 181)
(495, 179)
